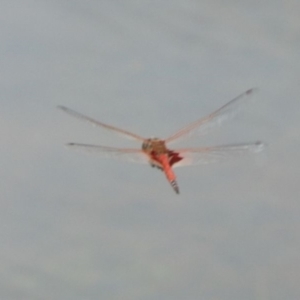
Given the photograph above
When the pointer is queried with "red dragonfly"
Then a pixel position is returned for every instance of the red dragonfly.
(154, 151)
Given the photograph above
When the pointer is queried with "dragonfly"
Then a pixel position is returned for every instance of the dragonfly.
(158, 154)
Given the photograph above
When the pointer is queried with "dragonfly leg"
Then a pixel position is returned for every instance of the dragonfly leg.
(156, 166)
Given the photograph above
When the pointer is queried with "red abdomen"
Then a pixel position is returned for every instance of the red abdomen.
(165, 161)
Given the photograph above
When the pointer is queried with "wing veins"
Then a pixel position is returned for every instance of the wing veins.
(127, 154)
(205, 155)
(215, 118)
(100, 124)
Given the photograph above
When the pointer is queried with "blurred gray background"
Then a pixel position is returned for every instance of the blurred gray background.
(74, 226)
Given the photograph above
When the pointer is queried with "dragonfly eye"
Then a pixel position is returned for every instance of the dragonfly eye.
(147, 145)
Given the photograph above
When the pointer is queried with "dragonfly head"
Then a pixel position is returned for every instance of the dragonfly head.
(147, 145)
(154, 144)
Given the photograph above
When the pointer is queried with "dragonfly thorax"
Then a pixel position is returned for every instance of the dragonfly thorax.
(154, 145)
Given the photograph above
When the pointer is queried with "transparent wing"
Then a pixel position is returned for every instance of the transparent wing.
(125, 154)
(206, 155)
(124, 133)
(216, 118)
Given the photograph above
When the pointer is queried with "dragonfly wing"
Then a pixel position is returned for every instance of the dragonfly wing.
(216, 118)
(206, 155)
(100, 124)
(126, 154)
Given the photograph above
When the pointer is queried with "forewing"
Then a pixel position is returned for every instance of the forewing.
(206, 155)
(122, 132)
(126, 154)
(214, 119)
